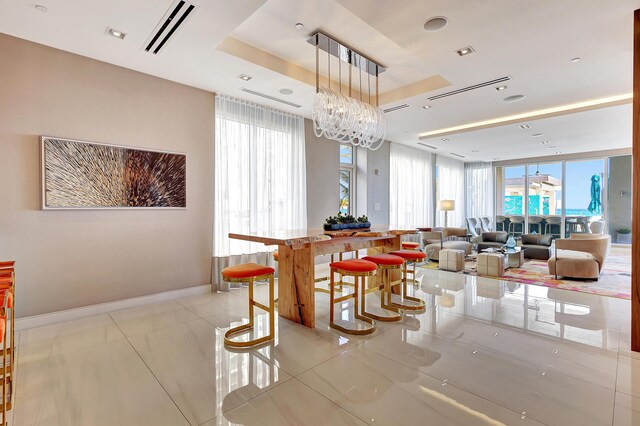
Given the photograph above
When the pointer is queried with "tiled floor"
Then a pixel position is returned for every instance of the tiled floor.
(481, 354)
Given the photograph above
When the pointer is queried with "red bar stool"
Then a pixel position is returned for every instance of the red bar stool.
(6, 305)
(250, 273)
(8, 282)
(410, 245)
(6, 400)
(359, 269)
(386, 263)
(411, 257)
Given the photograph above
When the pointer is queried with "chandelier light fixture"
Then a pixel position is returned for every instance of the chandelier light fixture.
(339, 113)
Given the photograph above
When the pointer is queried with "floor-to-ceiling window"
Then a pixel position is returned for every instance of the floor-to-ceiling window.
(585, 187)
(347, 180)
(565, 197)
(513, 191)
(545, 198)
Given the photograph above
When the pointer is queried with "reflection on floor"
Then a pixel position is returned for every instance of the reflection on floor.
(484, 352)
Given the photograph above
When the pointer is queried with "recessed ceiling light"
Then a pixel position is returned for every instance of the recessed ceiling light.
(558, 152)
(116, 33)
(545, 142)
(435, 24)
(574, 60)
(474, 150)
(444, 140)
(501, 88)
(536, 135)
(494, 159)
(41, 8)
(514, 98)
(525, 126)
(286, 91)
(465, 51)
(426, 107)
(245, 77)
(299, 26)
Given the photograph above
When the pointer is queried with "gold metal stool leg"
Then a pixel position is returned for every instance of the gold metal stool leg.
(356, 296)
(419, 303)
(229, 335)
(385, 277)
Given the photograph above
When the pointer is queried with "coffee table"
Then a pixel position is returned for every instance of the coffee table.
(514, 257)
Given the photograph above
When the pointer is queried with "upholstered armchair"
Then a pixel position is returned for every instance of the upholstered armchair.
(444, 238)
(492, 240)
(580, 256)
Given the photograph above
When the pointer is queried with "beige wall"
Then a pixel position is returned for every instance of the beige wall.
(323, 177)
(68, 259)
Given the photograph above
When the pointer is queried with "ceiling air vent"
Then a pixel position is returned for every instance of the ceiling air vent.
(457, 155)
(395, 108)
(170, 23)
(272, 98)
(427, 145)
(469, 88)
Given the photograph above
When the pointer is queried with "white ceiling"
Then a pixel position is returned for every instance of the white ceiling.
(594, 130)
(532, 42)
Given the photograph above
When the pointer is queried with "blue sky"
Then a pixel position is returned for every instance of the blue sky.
(578, 185)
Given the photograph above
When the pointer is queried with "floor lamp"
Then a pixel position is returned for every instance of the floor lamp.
(447, 206)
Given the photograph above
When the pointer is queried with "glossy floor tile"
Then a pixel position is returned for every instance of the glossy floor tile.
(482, 352)
(104, 384)
(43, 342)
(627, 410)
(291, 403)
(199, 374)
(151, 317)
(380, 391)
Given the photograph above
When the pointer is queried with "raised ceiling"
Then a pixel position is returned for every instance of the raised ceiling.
(531, 42)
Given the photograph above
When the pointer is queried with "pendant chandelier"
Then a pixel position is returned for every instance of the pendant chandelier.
(340, 114)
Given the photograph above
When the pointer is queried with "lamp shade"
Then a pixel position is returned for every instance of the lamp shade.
(447, 205)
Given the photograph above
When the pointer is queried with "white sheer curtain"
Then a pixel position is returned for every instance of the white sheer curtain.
(410, 187)
(260, 178)
(479, 189)
(451, 187)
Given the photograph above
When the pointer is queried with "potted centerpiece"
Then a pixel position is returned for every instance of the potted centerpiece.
(346, 221)
(623, 236)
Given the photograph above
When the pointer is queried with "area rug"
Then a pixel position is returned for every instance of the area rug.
(615, 279)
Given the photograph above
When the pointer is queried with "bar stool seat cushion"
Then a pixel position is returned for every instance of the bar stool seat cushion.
(246, 270)
(354, 265)
(410, 245)
(385, 259)
(276, 255)
(409, 254)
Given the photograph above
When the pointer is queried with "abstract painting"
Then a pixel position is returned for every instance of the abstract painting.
(87, 175)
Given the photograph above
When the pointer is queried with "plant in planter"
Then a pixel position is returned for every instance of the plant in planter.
(345, 221)
(623, 235)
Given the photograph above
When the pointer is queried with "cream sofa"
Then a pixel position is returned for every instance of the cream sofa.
(580, 256)
(444, 238)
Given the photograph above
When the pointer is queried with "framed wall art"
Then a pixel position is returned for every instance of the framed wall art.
(88, 175)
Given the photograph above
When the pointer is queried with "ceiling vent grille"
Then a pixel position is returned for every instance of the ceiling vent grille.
(272, 98)
(469, 88)
(427, 145)
(395, 108)
(170, 23)
(457, 155)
